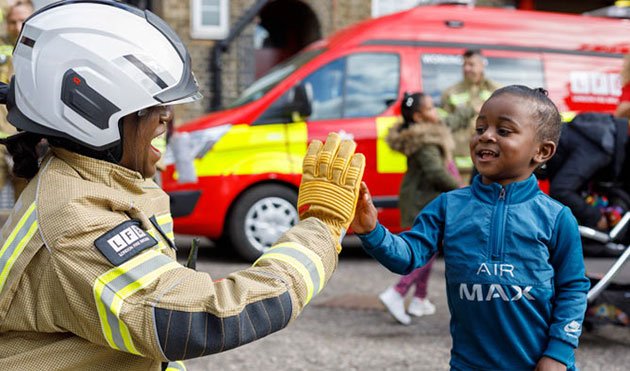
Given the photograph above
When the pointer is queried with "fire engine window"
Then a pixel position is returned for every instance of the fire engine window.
(371, 83)
(440, 71)
(360, 85)
(327, 87)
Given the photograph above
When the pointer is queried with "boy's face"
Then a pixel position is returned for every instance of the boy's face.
(505, 147)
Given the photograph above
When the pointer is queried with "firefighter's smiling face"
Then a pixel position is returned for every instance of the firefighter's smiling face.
(139, 129)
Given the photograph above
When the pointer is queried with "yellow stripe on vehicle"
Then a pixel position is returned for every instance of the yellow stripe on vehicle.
(256, 149)
(387, 160)
(114, 286)
(15, 243)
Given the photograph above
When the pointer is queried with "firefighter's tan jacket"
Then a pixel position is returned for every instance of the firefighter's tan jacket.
(461, 95)
(89, 280)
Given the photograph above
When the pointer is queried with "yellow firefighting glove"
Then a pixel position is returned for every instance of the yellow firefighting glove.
(331, 177)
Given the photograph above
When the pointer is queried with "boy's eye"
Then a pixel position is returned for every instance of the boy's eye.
(503, 132)
(479, 130)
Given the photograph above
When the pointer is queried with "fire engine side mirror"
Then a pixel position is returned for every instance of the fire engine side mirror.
(300, 103)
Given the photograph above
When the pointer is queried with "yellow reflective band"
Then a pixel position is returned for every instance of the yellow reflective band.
(114, 286)
(388, 160)
(297, 266)
(568, 116)
(459, 99)
(463, 162)
(15, 243)
(156, 235)
(6, 49)
(310, 254)
(176, 366)
(485, 94)
(166, 223)
(310, 269)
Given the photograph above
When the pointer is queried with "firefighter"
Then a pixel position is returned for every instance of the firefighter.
(88, 276)
(15, 17)
(470, 92)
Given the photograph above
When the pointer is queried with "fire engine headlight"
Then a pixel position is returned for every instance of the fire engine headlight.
(193, 145)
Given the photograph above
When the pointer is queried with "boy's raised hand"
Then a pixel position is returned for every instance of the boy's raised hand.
(331, 176)
(365, 216)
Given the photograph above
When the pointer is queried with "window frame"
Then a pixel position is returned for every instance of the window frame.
(209, 32)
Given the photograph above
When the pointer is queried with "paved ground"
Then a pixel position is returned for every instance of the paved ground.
(346, 328)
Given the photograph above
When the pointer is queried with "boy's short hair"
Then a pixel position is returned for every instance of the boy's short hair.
(544, 110)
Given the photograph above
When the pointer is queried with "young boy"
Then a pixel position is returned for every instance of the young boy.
(514, 269)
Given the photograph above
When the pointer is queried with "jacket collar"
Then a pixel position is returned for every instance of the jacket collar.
(104, 172)
(514, 193)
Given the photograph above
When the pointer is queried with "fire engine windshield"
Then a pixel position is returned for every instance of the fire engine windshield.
(274, 77)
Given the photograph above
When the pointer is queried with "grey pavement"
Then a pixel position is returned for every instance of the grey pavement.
(346, 328)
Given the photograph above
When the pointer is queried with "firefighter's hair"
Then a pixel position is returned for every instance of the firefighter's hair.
(23, 150)
(411, 103)
(544, 111)
(470, 52)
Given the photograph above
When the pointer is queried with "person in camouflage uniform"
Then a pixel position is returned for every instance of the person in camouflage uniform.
(470, 92)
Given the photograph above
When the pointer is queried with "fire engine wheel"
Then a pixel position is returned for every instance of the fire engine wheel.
(260, 217)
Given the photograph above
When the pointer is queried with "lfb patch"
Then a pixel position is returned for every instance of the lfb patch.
(124, 242)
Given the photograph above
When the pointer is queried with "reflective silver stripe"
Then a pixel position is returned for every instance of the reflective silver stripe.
(15, 243)
(166, 223)
(176, 366)
(306, 261)
(114, 286)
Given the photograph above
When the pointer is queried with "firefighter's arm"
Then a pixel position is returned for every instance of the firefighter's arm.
(253, 303)
(144, 302)
(190, 315)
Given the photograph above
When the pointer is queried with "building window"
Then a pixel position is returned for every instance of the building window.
(209, 19)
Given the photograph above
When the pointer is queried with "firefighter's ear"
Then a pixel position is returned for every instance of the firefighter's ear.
(545, 151)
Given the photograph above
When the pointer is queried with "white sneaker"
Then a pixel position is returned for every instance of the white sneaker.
(395, 304)
(420, 307)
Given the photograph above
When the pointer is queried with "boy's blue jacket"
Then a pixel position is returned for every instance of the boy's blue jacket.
(515, 278)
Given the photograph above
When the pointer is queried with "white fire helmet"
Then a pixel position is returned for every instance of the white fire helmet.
(80, 66)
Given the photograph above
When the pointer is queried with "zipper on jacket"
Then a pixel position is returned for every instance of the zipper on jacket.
(499, 226)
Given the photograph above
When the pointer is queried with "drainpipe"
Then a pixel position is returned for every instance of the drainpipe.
(222, 46)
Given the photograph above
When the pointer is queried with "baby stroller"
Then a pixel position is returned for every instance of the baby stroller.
(609, 301)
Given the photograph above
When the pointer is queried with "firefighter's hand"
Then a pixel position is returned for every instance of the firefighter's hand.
(365, 217)
(331, 178)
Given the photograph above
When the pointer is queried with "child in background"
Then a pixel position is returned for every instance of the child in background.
(428, 144)
(513, 258)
